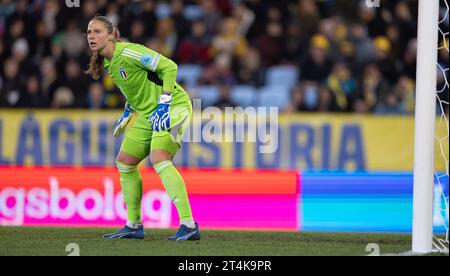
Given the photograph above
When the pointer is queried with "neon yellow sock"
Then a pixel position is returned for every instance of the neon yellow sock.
(131, 182)
(175, 188)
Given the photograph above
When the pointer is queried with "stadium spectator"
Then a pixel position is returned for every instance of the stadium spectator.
(342, 84)
(166, 38)
(182, 25)
(317, 65)
(295, 44)
(20, 14)
(50, 81)
(327, 101)
(405, 24)
(211, 16)
(137, 33)
(334, 31)
(233, 41)
(195, 48)
(244, 16)
(220, 71)
(347, 56)
(113, 12)
(384, 59)
(372, 87)
(309, 16)
(273, 15)
(362, 44)
(77, 82)
(404, 90)
(20, 50)
(393, 35)
(53, 17)
(12, 83)
(73, 46)
(297, 101)
(148, 17)
(96, 98)
(40, 43)
(145, 13)
(360, 106)
(257, 28)
(228, 49)
(410, 59)
(2, 53)
(249, 68)
(31, 96)
(311, 97)
(390, 105)
(224, 6)
(229, 41)
(16, 30)
(88, 10)
(374, 19)
(56, 49)
(63, 98)
(270, 45)
(225, 97)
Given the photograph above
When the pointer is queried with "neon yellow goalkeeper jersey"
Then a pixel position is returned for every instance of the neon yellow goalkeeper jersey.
(142, 75)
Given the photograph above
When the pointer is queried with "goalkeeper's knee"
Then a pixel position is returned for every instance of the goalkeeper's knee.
(125, 168)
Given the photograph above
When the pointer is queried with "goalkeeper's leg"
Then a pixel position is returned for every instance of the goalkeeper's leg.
(131, 182)
(135, 148)
(176, 189)
(164, 147)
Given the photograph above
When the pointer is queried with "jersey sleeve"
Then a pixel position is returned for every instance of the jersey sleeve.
(151, 60)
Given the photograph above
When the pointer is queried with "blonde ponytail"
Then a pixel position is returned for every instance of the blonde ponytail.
(95, 65)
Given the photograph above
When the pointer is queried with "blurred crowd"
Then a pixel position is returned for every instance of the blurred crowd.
(350, 57)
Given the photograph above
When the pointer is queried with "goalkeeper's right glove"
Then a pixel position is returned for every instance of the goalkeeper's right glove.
(121, 124)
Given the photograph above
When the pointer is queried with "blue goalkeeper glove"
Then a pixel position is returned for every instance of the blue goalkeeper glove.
(160, 118)
(121, 124)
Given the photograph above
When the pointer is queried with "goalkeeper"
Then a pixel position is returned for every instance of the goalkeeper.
(163, 112)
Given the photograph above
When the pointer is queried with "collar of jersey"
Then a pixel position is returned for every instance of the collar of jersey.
(117, 51)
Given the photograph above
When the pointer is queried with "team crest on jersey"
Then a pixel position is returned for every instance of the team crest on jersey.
(122, 73)
(146, 60)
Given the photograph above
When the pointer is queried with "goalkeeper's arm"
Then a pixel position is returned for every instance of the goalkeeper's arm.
(122, 123)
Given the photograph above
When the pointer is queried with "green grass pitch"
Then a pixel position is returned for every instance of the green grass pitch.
(53, 241)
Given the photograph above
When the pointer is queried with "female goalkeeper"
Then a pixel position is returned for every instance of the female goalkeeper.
(163, 110)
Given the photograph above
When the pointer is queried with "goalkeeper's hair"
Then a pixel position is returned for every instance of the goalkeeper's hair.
(96, 61)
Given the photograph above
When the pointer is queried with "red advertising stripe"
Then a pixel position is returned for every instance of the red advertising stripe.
(241, 181)
(197, 181)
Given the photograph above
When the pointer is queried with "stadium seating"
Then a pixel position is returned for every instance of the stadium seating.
(162, 10)
(244, 95)
(274, 96)
(192, 12)
(208, 94)
(189, 74)
(282, 75)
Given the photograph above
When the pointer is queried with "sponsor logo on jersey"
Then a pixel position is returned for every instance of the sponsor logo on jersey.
(122, 73)
(146, 60)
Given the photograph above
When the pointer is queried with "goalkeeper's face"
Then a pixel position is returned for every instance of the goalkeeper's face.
(98, 35)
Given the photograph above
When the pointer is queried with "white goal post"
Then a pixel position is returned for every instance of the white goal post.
(425, 117)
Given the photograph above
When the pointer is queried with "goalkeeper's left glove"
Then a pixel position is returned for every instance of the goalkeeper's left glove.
(160, 118)
(121, 124)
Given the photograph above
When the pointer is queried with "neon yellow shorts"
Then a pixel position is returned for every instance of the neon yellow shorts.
(140, 140)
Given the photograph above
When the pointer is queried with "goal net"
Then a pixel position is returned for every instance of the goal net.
(441, 153)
